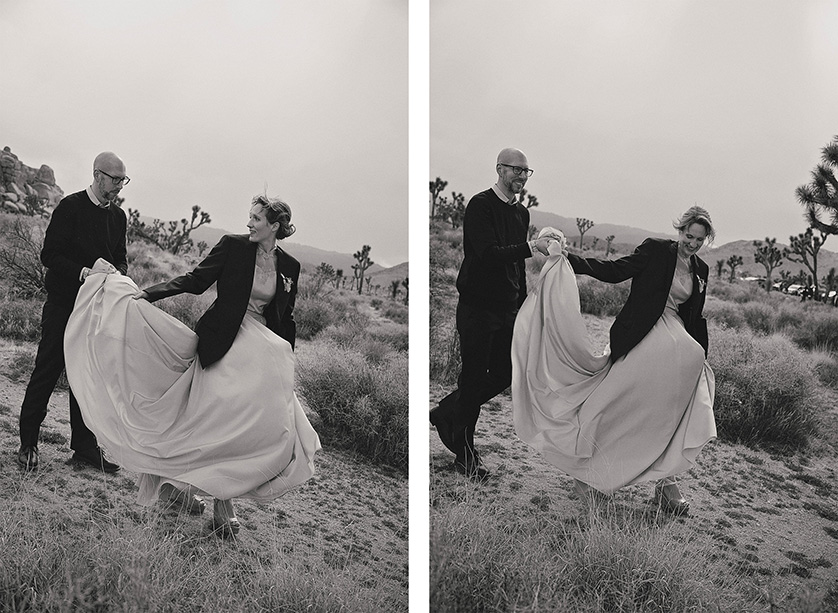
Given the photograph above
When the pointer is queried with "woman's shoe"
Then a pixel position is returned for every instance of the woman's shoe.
(669, 498)
(224, 521)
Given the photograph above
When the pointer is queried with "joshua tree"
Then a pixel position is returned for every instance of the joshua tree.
(171, 238)
(452, 210)
(363, 262)
(720, 268)
(804, 250)
(732, 262)
(436, 187)
(532, 201)
(770, 256)
(820, 195)
(338, 277)
(394, 288)
(532, 231)
(584, 225)
(608, 240)
(404, 285)
(594, 242)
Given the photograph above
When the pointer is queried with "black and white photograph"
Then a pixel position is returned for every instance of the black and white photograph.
(204, 294)
(633, 344)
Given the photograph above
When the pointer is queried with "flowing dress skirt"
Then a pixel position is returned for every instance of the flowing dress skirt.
(235, 429)
(644, 417)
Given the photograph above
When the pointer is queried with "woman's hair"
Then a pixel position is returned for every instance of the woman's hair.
(696, 214)
(276, 211)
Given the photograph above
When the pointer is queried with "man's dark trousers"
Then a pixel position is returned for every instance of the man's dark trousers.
(485, 350)
(49, 364)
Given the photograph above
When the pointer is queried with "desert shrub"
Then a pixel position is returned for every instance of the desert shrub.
(363, 406)
(726, 314)
(21, 240)
(603, 299)
(737, 292)
(760, 317)
(397, 313)
(816, 329)
(376, 303)
(20, 319)
(312, 317)
(764, 389)
(188, 308)
(825, 366)
(396, 336)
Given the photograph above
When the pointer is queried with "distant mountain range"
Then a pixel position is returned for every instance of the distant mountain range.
(626, 238)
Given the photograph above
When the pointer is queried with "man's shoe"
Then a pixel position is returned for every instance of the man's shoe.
(95, 458)
(444, 427)
(472, 470)
(27, 457)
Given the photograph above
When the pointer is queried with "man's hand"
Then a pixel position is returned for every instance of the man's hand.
(542, 244)
(104, 266)
(140, 296)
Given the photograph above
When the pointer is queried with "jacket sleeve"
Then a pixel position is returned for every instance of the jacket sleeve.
(479, 230)
(613, 271)
(197, 281)
(121, 251)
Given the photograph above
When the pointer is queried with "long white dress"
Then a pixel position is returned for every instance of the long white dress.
(644, 417)
(235, 429)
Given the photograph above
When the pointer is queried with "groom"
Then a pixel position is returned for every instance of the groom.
(492, 284)
(86, 233)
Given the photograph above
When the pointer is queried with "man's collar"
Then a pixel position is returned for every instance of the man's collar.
(94, 200)
(503, 197)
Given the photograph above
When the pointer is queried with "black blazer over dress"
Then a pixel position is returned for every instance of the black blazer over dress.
(651, 268)
(231, 264)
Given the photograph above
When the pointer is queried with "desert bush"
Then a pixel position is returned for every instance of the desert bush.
(363, 406)
(312, 317)
(760, 317)
(764, 389)
(21, 240)
(816, 329)
(603, 299)
(397, 313)
(726, 314)
(396, 336)
(512, 561)
(20, 319)
(738, 292)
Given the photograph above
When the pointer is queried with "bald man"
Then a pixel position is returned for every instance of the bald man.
(86, 232)
(492, 284)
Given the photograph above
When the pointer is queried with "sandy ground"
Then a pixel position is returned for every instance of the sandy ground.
(773, 518)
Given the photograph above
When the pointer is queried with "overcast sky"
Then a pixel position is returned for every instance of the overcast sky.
(630, 112)
(211, 102)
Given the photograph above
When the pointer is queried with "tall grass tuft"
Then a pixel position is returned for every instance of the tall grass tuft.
(362, 403)
(765, 389)
(128, 562)
(604, 561)
(20, 319)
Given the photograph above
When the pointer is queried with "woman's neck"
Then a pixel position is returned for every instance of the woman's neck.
(267, 246)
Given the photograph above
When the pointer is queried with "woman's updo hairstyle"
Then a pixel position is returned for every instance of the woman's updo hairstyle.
(696, 214)
(276, 211)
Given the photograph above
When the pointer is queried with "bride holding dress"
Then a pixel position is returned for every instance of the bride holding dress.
(208, 412)
(644, 409)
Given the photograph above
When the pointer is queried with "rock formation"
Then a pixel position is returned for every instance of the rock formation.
(24, 189)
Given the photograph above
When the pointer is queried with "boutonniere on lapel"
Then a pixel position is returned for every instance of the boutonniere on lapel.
(287, 282)
(702, 285)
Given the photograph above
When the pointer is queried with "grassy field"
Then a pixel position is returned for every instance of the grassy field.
(763, 530)
(73, 539)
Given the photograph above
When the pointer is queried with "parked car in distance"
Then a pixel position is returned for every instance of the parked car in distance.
(794, 289)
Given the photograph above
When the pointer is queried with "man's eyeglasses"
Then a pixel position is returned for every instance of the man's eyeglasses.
(116, 180)
(517, 170)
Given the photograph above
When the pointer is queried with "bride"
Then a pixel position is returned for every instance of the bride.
(644, 409)
(211, 412)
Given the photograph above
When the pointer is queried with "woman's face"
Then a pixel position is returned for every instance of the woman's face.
(260, 230)
(691, 239)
